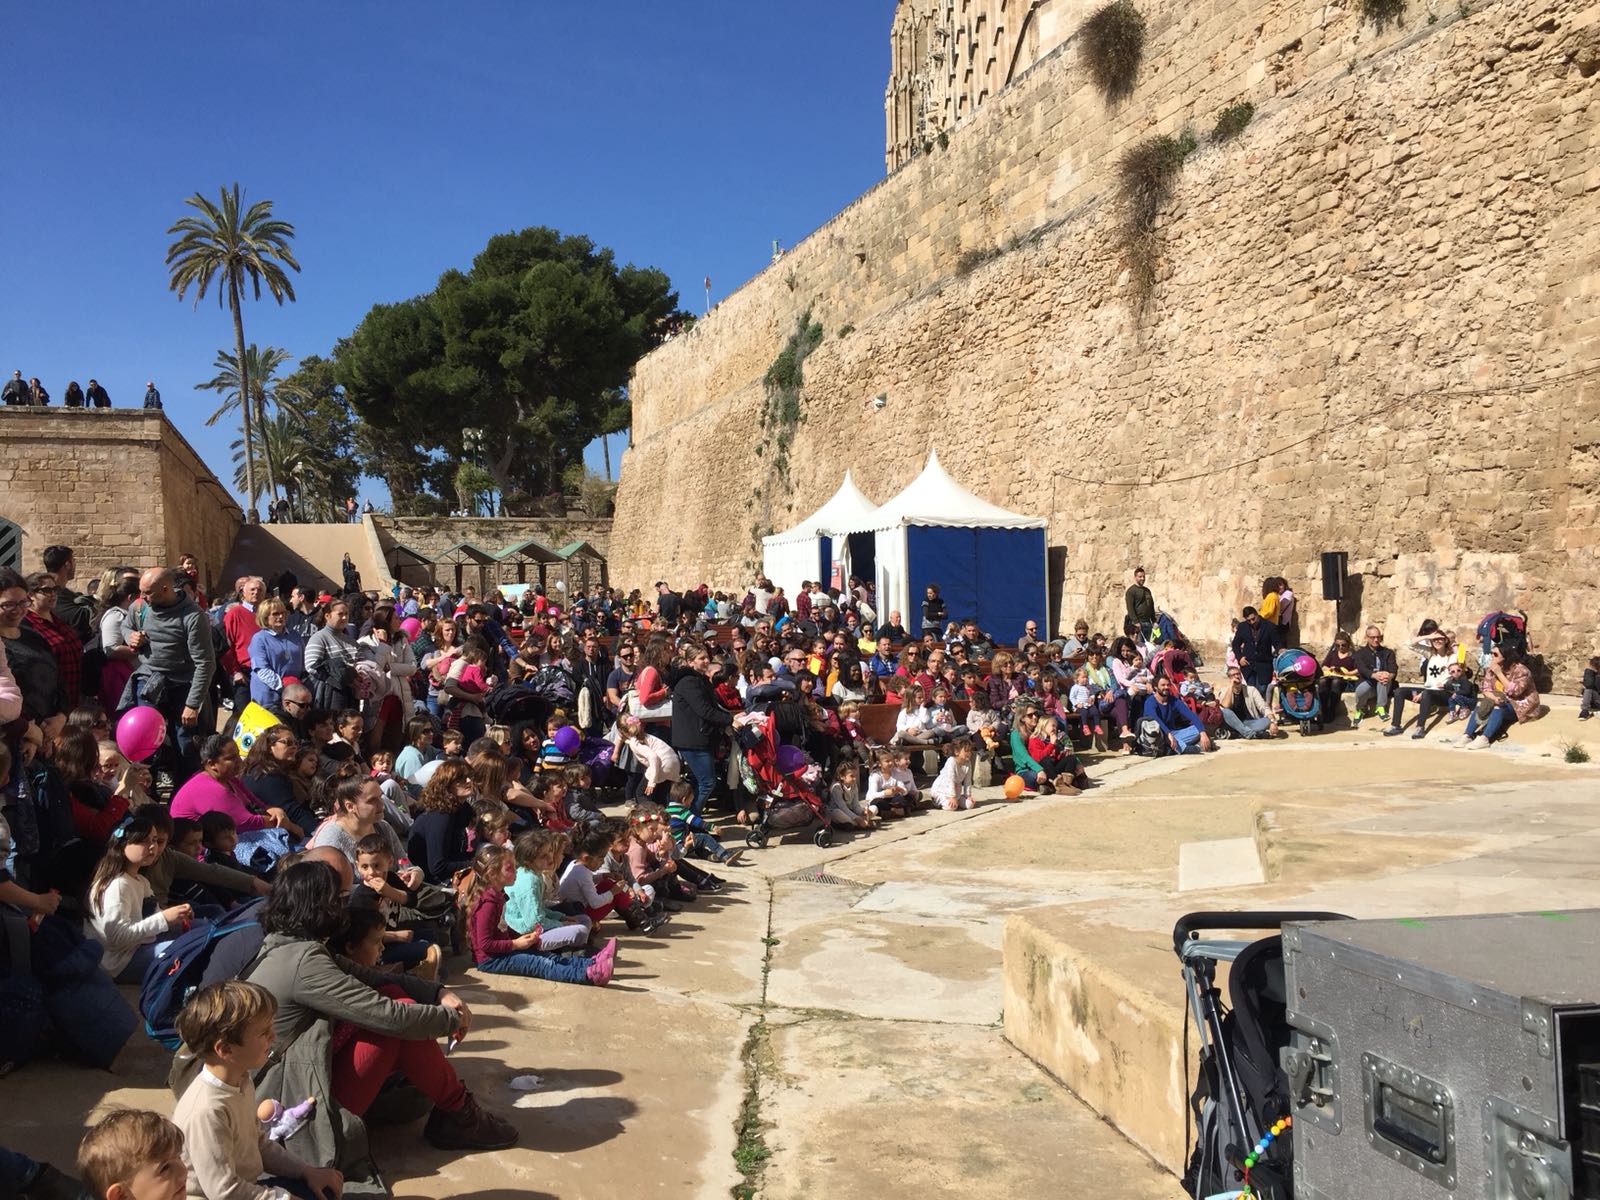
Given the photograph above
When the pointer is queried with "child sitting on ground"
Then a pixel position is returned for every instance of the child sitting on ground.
(651, 825)
(551, 756)
(581, 809)
(497, 951)
(450, 743)
(901, 772)
(952, 790)
(120, 895)
(886, 795)
(403, 948)
(618, 866)
(229, 1026)
(582, 884)
(689, 830)
(1044, 745)
(844, 808)
(493, 827)
(538, 855)
(1463, 693)
(646, 861)
(131, 1155)
(418, 750)
(396, 800)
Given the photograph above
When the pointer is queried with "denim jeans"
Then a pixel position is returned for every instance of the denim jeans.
(1252, 728)
(560, 968)
(1188, 738)
(702, 765)
(1502, 716)
(17, 1171)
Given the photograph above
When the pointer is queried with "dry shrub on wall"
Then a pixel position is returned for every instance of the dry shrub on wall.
(1232, 120)
(1113, 47)
(1145, 176)
(1383, 12)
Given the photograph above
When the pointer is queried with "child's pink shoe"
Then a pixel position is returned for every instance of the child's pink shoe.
(604, 964)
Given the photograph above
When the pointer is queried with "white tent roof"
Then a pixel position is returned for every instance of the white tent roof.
(842, 514)
(933, 498)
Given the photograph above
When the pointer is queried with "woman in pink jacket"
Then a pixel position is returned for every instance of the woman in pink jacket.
(218, 788)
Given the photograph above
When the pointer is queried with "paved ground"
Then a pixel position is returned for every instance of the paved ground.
(841, 1035)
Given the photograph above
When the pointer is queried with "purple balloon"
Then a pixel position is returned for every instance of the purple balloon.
(140, 732)
(567, 740)
(792, 760)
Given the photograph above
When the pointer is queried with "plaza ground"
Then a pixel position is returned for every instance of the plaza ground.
(833, 1022)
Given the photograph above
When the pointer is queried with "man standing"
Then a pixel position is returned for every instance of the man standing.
(96, 395)
(176, 665)
(934, 613)
(66, 647)
(76, 609)
(667, 603)
(1254, 644)
(1375, 675)
(239, 623)
(1178, 724)
(1141, 605)
(152, 397)
(15, 391)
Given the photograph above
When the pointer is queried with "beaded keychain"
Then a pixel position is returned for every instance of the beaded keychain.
(1260, 1151)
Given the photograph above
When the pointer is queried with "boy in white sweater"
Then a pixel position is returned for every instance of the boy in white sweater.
(229, 1025)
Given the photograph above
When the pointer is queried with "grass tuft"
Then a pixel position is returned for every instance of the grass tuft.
(1232, 120)
(1113, 47)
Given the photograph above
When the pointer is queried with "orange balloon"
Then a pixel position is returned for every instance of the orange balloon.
(1014, 786)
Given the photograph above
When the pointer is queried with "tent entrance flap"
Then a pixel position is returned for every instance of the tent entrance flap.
(862, 555)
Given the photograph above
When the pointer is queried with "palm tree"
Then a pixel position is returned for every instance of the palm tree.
(228, 243)
(260, 365)
(281, 444)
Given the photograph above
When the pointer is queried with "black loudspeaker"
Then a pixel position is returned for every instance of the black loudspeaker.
(1333, 573)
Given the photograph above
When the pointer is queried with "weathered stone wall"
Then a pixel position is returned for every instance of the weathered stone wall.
(117, 485)
(1374, 330)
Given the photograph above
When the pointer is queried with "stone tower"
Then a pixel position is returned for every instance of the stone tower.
(947, 57)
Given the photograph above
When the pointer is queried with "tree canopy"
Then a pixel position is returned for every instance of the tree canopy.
(531, 348)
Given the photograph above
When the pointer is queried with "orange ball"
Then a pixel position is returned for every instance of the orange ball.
(1015, 786)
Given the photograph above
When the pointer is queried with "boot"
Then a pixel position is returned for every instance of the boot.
(428, 968)
(468, 1128)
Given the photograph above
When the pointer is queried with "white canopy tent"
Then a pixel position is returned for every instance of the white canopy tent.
(989, 562)
(807, 551)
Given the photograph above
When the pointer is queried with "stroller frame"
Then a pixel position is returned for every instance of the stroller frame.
(1228, 1119)
(773, 787)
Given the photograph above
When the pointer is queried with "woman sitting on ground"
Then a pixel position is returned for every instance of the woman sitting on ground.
(218, 788)
(337, 1037)
(268, 772)
(1507, 685)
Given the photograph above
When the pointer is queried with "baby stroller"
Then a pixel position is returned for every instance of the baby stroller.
(1297, 674)
(1242, 1090)
(777, 774)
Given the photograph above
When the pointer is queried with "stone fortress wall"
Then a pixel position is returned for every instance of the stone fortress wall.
(117, 485)
(1374, 330)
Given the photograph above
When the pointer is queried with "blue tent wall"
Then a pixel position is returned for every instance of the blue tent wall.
(997, 575)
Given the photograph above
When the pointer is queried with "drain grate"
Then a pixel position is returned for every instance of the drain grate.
(816, 875)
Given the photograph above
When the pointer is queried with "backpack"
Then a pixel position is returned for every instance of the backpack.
(1509, 631)
(1152, 741)
(179, 973)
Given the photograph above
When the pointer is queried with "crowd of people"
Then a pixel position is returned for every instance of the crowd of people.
(30, 393)
(370, 773)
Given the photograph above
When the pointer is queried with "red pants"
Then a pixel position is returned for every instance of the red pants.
(367, 1059)
(620, 900)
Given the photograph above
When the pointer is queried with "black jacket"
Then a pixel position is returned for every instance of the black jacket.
(1257, 643)
(98, 397)
(1370, 659)
(697, 717)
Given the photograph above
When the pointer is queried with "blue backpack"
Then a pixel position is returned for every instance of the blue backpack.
(180, 972)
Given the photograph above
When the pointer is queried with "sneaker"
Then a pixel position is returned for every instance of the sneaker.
(468, 1128)
(1381, 712)
(1478, 743)
(604, 964)
(1585, 716)
(731, 858)
(1419, 735)
(1355, 721)
(1392, 731)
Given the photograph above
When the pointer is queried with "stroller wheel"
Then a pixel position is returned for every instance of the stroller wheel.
(1305, 728)
(756, 839)
(823, 837)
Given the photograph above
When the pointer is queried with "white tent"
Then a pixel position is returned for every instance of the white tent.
(989, 562)
(806, 551)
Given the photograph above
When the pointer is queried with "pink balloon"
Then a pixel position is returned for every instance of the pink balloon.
(140, 732)
(1305, 665)
(411, 627)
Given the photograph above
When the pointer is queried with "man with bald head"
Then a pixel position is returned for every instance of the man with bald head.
(175, 667)
(292, 709)
(334, 858)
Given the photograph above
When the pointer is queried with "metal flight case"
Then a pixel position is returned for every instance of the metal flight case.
(1445, 1057)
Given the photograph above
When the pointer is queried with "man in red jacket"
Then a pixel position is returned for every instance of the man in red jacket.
(239, 623)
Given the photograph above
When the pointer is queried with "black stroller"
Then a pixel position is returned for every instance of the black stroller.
(1242, 1091)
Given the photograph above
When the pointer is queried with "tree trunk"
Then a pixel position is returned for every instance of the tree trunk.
(605, 450)
(266, 451)
(235, 301)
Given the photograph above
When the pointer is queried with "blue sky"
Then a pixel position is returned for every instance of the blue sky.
(398, 137)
